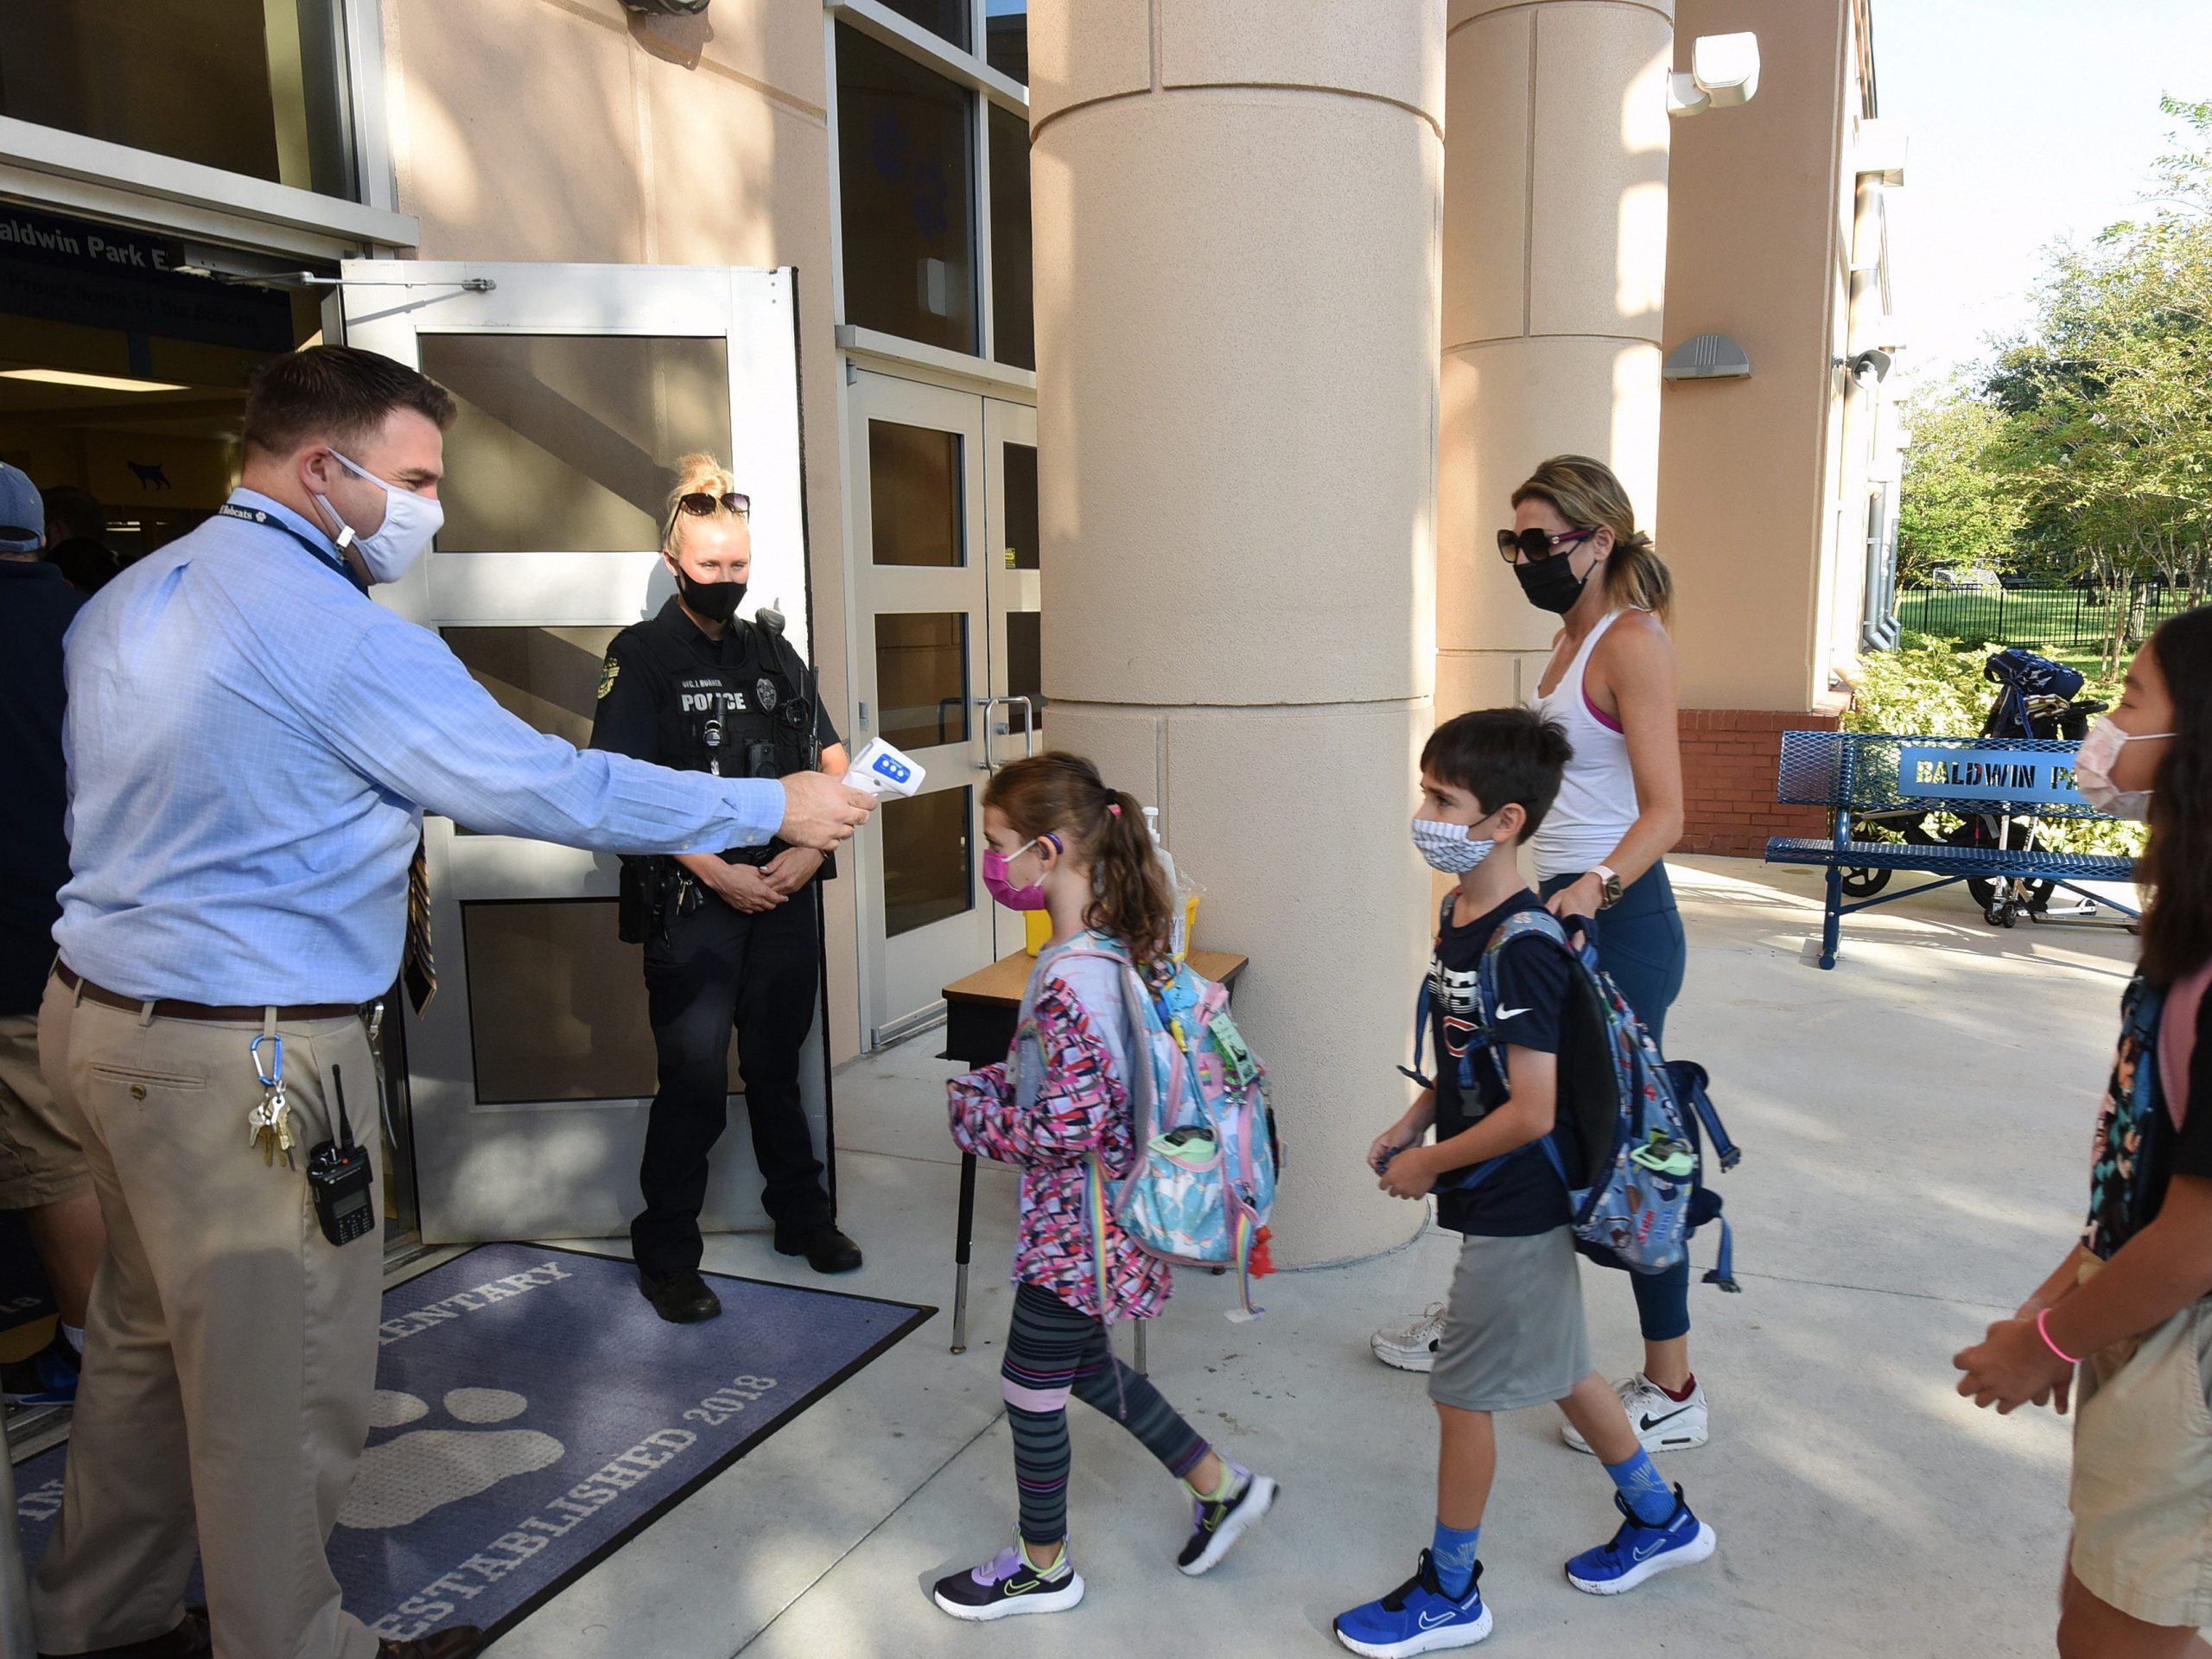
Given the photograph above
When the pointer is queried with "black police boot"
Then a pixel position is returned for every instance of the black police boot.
(680, 1298)
(826, 1249)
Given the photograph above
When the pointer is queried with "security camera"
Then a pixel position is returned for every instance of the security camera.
(1872, 361)
(1724, 72)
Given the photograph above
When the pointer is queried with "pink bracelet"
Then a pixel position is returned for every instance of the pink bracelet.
(2042, 1329)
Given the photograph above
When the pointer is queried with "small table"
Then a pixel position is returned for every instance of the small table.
(980, 1012)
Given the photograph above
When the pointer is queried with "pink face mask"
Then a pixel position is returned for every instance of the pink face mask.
(995, 881)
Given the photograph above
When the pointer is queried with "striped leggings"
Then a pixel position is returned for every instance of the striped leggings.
(1051, 1351)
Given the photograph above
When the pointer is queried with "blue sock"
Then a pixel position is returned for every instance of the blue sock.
(1646, 1491)
(1453, 1555)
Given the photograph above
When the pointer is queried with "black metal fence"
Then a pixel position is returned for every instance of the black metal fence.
(2044, 619)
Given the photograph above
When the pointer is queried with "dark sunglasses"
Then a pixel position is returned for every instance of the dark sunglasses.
(700, 504)
(1538, 545)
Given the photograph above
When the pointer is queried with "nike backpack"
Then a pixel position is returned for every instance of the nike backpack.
(1640, 1191)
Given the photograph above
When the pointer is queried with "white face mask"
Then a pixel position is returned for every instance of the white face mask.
(410, 523)
(1449, 847)
(2093, 766)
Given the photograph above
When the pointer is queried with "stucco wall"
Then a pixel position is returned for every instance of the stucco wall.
(1237, 207)
(1746, 467)
(569, 130)
(1554, 258)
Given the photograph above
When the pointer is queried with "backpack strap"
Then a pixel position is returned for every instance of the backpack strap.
(2178, 1039)
(1521, 925)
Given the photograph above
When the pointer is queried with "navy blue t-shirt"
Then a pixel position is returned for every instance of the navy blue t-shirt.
(1524, 1195)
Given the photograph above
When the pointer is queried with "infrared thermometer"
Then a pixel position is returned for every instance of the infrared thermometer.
(881, 770)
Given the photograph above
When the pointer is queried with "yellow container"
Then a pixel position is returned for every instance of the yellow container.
(1190, 922)
(1037, 926)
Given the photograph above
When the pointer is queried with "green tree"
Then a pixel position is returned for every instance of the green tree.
(1955, 507)
(2107, 399)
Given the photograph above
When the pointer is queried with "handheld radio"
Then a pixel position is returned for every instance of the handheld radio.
(339, 1177)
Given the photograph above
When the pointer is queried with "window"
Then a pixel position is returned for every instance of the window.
(906, 194)
(921, 678)
(947, 19)
(1006, 38)
(1013, 315)
(567, 439)
(928, 872)
(914, 495)
(921, 159)
(251, 86)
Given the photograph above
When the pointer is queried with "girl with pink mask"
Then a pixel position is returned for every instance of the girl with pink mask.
(1063, 843)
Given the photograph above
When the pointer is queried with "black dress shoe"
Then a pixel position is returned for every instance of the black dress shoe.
(680, 1298)
(459, 1643)
(189, 1640)
(826, 1249)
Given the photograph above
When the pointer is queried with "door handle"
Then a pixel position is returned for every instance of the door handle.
(1028, 721)
(990, 762)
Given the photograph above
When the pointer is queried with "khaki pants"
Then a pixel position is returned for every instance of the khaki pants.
(231, 1350)
(39, 1160)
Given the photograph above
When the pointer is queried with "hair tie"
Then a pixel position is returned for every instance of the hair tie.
(1114, 807)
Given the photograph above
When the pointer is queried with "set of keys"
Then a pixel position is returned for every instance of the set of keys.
(269, 1125)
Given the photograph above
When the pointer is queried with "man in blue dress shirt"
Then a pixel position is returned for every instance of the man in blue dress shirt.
(252, 742)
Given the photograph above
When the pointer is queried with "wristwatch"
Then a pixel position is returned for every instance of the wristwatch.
(1605, 873)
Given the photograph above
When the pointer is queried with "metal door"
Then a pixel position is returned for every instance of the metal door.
(942, 491)
(580, 387)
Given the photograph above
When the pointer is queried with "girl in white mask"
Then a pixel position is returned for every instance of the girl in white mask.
(2122, 1329)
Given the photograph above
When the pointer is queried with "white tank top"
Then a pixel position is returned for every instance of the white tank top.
(1597, 799)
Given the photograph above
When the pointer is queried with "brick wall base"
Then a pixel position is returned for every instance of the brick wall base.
(1730, 757)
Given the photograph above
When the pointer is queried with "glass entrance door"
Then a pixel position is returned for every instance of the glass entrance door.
(944, 521)
(579, 386)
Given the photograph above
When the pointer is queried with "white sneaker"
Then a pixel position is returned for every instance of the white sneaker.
(1410, 1344)
(1662, 1422)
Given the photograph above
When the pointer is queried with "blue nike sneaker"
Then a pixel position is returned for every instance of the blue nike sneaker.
(1638, 1552)
(1416, 1617)
(48, 1377)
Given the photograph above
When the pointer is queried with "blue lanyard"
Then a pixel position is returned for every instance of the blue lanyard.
(256, 516)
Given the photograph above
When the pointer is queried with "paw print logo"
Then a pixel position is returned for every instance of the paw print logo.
(409, 1475)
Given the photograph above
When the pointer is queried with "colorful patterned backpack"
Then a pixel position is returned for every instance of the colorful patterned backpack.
(1641, 1190)
(1201, 1185)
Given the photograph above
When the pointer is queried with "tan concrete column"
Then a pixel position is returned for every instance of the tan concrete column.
(1238, 205)
(1554, 264)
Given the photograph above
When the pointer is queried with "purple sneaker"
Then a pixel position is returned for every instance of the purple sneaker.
(1214, 1526)
(1008, 1584)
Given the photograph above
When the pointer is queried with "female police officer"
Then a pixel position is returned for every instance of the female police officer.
(731, 938)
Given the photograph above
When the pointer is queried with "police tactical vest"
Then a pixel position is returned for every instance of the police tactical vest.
(746, 718)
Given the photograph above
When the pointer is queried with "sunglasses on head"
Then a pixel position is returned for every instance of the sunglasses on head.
(701, 505)
(1537, 544)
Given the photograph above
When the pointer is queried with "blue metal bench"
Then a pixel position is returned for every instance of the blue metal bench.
(1860, 776)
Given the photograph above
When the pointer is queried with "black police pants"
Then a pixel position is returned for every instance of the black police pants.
(719, 968)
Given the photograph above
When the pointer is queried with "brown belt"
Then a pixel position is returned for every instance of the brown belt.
(169, 1008)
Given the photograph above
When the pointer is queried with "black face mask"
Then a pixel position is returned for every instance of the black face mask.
(717, 601)
(1551, 585)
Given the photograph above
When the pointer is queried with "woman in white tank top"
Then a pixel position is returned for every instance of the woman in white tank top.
(1611, 685)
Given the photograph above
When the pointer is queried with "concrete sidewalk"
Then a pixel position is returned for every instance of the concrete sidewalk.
(1915, 1127)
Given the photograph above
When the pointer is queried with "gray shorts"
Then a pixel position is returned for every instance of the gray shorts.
(1514, 1334)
